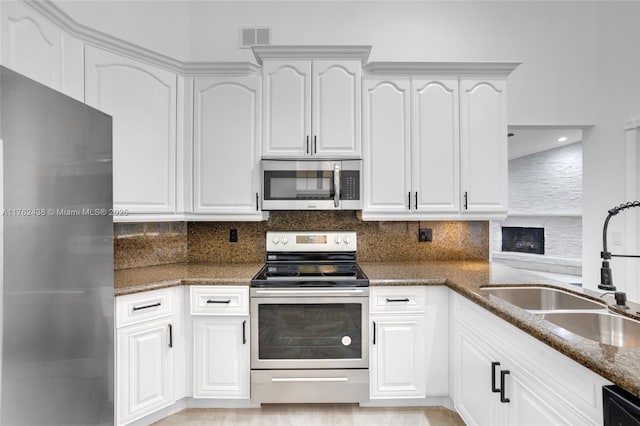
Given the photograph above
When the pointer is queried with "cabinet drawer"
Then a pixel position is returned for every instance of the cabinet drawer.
(135, 308)
(219, 300)
(398, 299)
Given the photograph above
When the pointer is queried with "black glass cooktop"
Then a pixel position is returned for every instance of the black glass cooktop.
(310, 275)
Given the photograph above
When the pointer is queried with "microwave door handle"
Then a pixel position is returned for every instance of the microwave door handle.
(336, 185)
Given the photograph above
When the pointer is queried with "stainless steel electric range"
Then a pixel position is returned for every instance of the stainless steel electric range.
(309, 315)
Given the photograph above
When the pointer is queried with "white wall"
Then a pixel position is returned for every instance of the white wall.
(617, 98)
(580, 59)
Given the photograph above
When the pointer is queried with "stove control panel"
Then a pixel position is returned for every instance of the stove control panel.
(311, 241)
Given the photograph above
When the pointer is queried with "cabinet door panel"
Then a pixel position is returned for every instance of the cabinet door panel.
(483, 141)
(336, 108)
(31, 45)
(226, 139)
(221, 357)
(387, 146)
(474, 400)
(397, 357)
(142, 101)
(144, 370)
(287, 108)
(435, 145)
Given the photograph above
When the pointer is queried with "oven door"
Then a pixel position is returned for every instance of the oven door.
(309, 328)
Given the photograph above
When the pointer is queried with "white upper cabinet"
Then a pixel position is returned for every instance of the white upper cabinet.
(287, 108)
(453, 129)
(312, 100)
(435, 145)
(387, 151)
(484, 149)
(226, 147)
(142, 101)
(411, 147)
(336, 108)
(37, 48)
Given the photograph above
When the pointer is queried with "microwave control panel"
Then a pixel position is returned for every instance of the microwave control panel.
(350, 187)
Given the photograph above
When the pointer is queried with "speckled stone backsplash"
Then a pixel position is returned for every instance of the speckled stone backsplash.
(377, 241)
(148, 244)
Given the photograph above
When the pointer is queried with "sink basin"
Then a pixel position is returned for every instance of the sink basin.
(603, 327)
(542, 298)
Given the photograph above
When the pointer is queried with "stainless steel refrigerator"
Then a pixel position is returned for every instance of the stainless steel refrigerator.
(56, 293)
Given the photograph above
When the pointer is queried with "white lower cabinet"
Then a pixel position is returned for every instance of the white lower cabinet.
(408, 349)
(221, 356)
(145, 354)
(503, 376)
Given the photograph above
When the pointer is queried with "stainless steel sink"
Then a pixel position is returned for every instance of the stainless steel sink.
(542, 298)
(603, 327)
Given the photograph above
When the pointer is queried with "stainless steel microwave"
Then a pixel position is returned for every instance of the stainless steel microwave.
(311, 184)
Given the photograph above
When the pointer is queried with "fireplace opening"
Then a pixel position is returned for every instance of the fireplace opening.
(523, 240)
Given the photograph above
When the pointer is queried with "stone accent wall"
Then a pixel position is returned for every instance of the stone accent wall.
(545, 190)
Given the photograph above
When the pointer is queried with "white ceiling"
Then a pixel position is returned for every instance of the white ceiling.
(530, 140)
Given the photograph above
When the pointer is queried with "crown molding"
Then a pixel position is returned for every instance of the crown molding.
(360, 53)
(497, 69)
(100, 39)
(219, 68)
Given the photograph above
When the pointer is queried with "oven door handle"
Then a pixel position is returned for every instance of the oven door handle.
(300, 292)
(309, 379)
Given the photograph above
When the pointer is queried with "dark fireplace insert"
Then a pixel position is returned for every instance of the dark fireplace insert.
(523, 240)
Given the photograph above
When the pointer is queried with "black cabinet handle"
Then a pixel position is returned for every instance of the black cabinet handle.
(307, 144)
(257, 198)
(493, 377)
(409, 198)
(374, 332)
(466, 201)
(219, 301)
(315, 144)
(406, 299)
(503, 374)
(416, 200)
(139, 308)
(170, 335)
(244, 332)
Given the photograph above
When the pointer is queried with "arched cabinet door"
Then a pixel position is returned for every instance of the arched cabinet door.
(37, 48)
(336, 108)
(435, 145)
(483, 144)
(226, 146)
(387, 146)
(287, 108)
(142, 101)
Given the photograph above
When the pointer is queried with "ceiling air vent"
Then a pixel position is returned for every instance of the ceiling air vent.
(252, 36)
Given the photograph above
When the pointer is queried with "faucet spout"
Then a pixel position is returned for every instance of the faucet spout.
(620, 296)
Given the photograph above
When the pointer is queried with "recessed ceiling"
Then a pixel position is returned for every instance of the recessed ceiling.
(531, 140)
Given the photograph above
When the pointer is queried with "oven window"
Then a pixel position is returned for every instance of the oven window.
(298, 185)
(310, 331)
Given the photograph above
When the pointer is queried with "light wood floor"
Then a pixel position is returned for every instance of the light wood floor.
(315, 415)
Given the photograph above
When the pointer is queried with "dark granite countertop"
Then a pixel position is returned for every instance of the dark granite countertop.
(619, 365)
